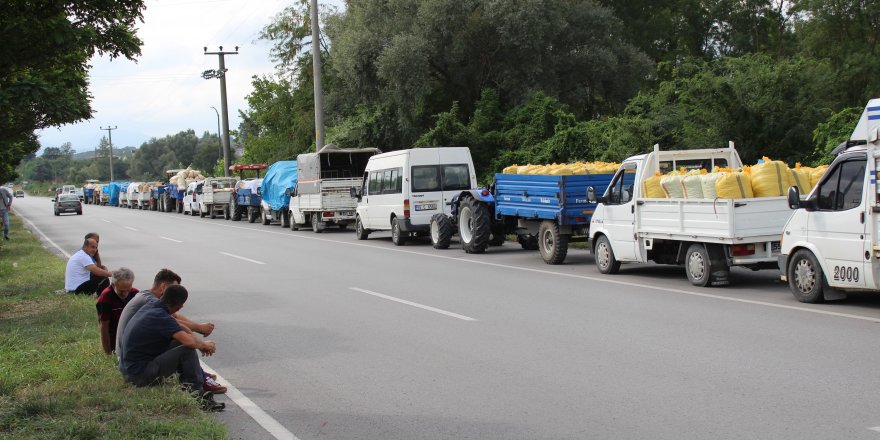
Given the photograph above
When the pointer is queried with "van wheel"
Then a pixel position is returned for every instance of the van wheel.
(805, 277)
(473, 226)
(285, 219)
(552, 244)
(604, 255)
(441, 231)
(527, 241)
(398, 237)
(252, 214)
(316, 224)
(359, 230)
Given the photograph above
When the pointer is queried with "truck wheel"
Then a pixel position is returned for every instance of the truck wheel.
(266, 219)
(473, 226)
(226, 213)
(552, 244)
(359, 230)
(294, 226)
(236, 214)
(179, 204)
(527, 241)
(604, 255)
(252, 214)
(697, 265)
(316, 224)
(398, 237)
(285, 219)
(498, 237)
(212, 211)
(805, 277)
(441, 231)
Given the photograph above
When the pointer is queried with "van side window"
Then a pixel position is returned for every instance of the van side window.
(375, 182)
(842, 189)
(456, 177)
(621, 189)
(391, 181)
(425, 178)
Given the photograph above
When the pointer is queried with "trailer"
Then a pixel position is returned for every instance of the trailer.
(172, 199)
(246, 194)
(217, 197)
(157, 195)
(322, 195)
(275, 191)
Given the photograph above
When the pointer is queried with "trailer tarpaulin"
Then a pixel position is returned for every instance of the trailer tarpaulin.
(280, 177)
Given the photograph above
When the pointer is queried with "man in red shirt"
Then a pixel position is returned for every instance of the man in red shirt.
(110, 304)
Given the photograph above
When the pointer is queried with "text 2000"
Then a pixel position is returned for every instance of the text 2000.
(846, 273)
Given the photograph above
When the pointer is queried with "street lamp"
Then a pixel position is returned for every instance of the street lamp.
(219, 139)
(221, 74)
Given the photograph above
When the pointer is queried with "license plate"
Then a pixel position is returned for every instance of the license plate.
(347, 213)
(776, 247)
(426, 207)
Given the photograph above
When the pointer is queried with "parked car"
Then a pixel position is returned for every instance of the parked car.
(68, 203)
(192, 198)
(19, 193)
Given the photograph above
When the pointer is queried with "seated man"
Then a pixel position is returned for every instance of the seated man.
(110, 304)
(83, 275)
(97, 257)
(165, 278)
(155, 346)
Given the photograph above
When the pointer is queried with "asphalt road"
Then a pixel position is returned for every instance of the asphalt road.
(312, 330)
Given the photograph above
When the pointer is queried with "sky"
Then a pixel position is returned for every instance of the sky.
(163, 93)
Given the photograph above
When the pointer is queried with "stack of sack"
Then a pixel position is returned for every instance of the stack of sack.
(564, 169)
(185, 177)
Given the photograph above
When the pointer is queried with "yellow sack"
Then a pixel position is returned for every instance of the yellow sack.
(510, 170)
(671, 184)
(708, 182)
(771, 178)
(817, 174)
(800, 177)
(692, 183)
(734, 186)
(653, 189)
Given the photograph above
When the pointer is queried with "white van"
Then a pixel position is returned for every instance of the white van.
(401, 190)
(192, 198)
(133, 194)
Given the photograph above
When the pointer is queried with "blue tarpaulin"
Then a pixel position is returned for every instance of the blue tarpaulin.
(112, 189)
(280, 177)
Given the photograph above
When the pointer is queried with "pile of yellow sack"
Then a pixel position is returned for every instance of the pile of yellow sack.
(771, 178)
(564, 169)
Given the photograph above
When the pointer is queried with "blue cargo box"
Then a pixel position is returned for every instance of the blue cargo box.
(157, 191)
(88, 192)
(541, 197)
(244, 197)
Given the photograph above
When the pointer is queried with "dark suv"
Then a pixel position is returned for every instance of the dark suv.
(68, 203)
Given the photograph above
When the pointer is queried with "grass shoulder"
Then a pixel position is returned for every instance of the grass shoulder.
(55, 382)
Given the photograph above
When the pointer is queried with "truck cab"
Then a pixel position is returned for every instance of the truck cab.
(830, 243)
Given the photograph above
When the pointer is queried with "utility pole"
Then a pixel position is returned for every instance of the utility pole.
(219, 135)
(221, 73)
(316, 78)
(110, 136)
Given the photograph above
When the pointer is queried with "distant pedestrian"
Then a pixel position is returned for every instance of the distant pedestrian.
(82, 274)
(156, 346)
(5, 206)
(110, 304)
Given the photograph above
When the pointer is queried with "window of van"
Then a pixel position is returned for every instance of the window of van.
(391, 181)
(426, 178)
(375, 182)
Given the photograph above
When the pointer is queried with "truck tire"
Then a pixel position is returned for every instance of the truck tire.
(212, 211)
(398, 237)
(236, 213)
(441, 231)
(316, 224)
(805, 277)
(527, 241)
(285, 219)
(605, 261)
(473, 226)
(359, 229)
(294, 226)
(266, 219)
(552, 244)
(252, 214)
(179, 204)
(227, 214)
(704, 265)
(498, 237)
(202, 212)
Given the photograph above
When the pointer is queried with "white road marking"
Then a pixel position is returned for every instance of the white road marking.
(607, 280)
(170, 239)
(875, 429)
(414, 304)
(49, 240)
(105, 220)
(265, 420)
(242, 258)
(130, 228)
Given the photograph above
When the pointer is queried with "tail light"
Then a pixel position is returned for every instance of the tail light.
(327, 213)
(741, 250)
(406, 207)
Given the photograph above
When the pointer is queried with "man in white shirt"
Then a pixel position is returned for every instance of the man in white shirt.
(83, 275)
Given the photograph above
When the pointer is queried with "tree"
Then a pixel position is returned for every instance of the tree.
(44, 62)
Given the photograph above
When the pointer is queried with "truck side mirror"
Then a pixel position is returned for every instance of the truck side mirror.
(592, 197)
(355, 194)
(794, 197)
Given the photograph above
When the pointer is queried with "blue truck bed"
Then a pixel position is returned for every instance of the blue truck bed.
(542, 197)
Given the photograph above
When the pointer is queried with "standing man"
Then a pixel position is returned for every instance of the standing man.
(5, 206)
(83, 275)
(155, 346)
(110, 304)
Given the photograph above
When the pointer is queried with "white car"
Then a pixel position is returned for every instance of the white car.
(192, 198)
(402, 190)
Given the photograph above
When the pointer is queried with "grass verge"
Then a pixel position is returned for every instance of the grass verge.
(55, 382)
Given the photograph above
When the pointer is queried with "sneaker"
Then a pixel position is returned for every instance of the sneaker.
(213, 386)
(209, 404)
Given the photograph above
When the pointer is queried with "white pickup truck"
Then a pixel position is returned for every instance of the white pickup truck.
(831, 243)
(706, 236)
(217, 194)
(323, 188)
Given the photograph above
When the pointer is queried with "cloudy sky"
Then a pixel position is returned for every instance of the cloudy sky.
(163, 92)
